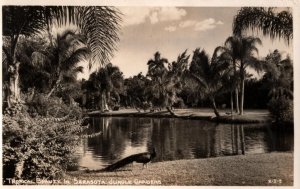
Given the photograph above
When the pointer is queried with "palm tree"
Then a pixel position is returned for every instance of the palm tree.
(166, 80)
(266, 20)
(233, 45)
(247, 59)
(157, 71)
(176, 72)
(208, 74)
(101, 32)
(156, 66)
(114, 83)
(65, 54)
(108, 80)
(242, 50)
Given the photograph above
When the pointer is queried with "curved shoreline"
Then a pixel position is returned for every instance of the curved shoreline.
(251, 116)
(271, 169)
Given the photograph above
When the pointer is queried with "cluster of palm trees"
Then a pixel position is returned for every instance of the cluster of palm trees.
(226, 70)
(101, 36)
(55, 60)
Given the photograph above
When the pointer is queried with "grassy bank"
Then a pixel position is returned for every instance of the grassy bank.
(250, 116)
(256, 169)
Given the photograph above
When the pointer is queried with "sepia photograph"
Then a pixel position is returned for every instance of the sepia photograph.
(148, 95)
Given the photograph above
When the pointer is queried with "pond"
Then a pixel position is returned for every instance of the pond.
(176, 139)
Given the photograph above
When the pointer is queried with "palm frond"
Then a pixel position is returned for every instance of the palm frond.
(100, 25)
(76, 56)
(275, 25)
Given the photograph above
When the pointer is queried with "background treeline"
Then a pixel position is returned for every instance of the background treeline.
(189, 83)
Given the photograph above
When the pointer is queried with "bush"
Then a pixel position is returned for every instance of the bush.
(53, 106)
(37, 147)
(282, 110)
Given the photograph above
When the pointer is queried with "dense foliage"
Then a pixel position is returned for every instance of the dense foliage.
(282, 110)
(40, 147)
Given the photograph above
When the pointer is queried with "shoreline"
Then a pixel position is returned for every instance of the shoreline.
(250, 116)
(271, 169)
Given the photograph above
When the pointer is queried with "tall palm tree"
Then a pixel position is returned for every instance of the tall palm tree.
(208, 73)
(176, 72)
(156, 66)
(268, 21)
(230, 80)
(166, 80)
(114, 83)
(232, 49)
(233, 44)
(157, 71)
(248, 59)
(101, 32)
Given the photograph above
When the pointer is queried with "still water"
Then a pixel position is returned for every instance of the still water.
(176, 139)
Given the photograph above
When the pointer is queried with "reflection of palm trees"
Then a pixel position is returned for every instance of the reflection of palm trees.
(229, 140)
(238, 140)
(110, 145)
(180, 139)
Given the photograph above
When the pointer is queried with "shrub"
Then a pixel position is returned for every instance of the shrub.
(282, 110)
(53, 106)
(38, 147)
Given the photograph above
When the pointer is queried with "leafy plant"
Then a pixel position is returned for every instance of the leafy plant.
(38, 147)
(282, 109)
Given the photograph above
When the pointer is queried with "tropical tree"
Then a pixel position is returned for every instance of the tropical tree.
(101, 32)
(157, 72)
(176, 73)
(243, 51)
(166, 79)
(108, 81)
(233, 45)
(157, 66)
(269, 21)
(135, 93)
(278, 77)
(208, 74)
(248, 60)
(63, 57)
(278, 80)
(32, 75)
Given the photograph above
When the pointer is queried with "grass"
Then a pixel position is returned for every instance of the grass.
(273, 169)
(250, 116)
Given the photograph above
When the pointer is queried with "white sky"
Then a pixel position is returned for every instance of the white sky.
(171, 30)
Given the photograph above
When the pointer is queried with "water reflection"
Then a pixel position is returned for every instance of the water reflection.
(177, 139)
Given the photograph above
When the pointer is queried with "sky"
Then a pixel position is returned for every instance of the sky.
(172, 30)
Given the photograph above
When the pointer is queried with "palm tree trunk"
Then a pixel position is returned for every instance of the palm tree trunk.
(171, 112)
(236, 90)
(242, 91)
(237, 107)
(107, 100)
(60, 77)
(53, 89)
(231, 102)
(215, 107)
(13, 78)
